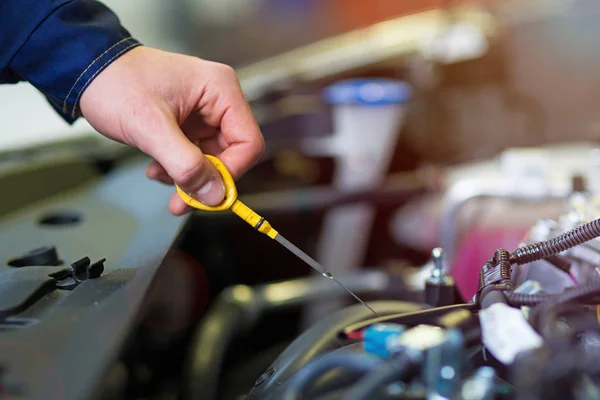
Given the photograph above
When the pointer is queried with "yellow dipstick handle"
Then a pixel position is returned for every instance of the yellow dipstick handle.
(230, 202)
(251, 217)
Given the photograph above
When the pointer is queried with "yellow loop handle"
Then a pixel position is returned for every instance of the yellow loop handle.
(230, 190)
(230, 202)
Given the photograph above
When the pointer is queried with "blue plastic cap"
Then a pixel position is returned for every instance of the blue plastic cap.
(368, 91)
(375, 338)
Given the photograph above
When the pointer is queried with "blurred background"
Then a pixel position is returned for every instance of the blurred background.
(540, 54)
(383, 119)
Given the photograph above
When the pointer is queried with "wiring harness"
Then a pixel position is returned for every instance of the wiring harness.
(495, 277)
(495, 286)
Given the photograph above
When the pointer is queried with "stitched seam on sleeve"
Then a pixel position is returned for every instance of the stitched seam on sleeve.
(87, 69)
(96, 73)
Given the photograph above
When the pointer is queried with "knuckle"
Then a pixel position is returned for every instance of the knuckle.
(190, 176)
(257, 152)
(227, 72)
(260, 148)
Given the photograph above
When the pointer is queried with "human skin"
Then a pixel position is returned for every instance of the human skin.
(176, 108)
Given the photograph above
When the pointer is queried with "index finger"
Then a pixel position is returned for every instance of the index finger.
(244, 141)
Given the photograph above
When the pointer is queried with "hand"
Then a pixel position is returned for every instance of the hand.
(175, 108)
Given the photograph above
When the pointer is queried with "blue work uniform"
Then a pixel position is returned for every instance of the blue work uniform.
(59, 46)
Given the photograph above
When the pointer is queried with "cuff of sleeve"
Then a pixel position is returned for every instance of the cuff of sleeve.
(70, 105)
(68, 49)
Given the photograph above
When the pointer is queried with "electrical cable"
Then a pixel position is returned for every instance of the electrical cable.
(495, 284)
(548, 300)
(356, 362)
(567, 240)
(397, 368)
(545, 318)
(408, 318)
(549, 307)
(495, 277)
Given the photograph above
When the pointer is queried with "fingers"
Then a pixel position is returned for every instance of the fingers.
(158, 173)
(177, 206)
(224, 106)
(182, 161)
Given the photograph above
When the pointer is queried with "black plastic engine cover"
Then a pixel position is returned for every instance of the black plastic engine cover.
(316, 341)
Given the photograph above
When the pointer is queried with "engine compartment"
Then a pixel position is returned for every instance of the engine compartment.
(197, 326)
(530, 332)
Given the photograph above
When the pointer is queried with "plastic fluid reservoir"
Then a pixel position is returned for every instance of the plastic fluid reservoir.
(367, 116)
(367, 119)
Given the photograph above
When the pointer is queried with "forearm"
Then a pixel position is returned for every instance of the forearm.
(59, 46)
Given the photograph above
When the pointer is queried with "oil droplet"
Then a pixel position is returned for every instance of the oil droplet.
(328, 275)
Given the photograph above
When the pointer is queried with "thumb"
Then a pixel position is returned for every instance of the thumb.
(184, 162)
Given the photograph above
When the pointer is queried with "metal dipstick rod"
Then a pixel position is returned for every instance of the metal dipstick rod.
(232, 203)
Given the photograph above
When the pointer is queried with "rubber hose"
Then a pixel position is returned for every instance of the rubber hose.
(320, 339)
(493, 297)
(526, 299)
(385, 373)
(567, 240)
(360, 363)
(523, 299)
(210, 343)
(546, 315)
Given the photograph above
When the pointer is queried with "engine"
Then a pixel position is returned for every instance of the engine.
(530, 332)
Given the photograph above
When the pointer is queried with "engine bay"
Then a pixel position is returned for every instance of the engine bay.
(530, 331)
(198, 326)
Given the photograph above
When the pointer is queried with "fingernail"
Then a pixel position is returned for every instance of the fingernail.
(212, 193)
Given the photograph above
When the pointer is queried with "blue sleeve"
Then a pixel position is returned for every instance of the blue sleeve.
(59, 46)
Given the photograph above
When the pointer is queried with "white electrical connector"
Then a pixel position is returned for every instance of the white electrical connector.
(505, 332)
